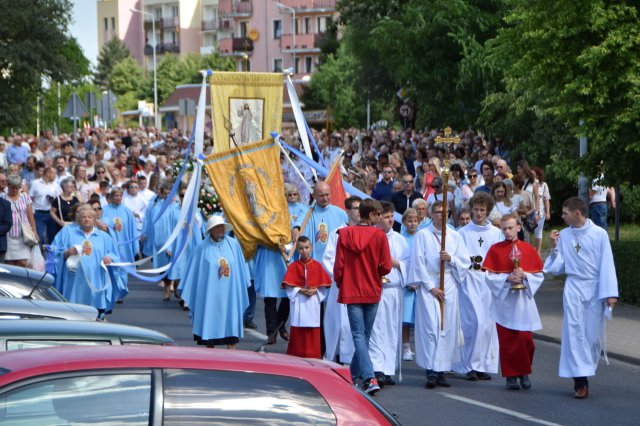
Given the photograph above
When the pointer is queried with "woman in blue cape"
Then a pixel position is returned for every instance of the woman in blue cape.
(79, 254)
(215, 287)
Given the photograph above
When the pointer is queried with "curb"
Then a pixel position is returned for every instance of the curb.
(612, 355)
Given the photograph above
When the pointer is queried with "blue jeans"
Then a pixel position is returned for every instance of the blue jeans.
(45, 225)
(361, 318)
(598, 213)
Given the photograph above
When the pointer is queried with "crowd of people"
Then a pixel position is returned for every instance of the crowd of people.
(361, 282)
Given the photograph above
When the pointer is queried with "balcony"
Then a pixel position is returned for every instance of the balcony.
(305, 43)
(235, 8)
(148, 22)
(235, 46)
(209, 25)
(225, 24)
(171, 22)
(162, 48)
(309, 6)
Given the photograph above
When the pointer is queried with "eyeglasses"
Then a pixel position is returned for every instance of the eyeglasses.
(436, 212)
(97, 209)
(472, 176)
(436, 186)
(407, 181)
(387, 171)
(355, 208)
(292, 194)
(100, 173)
(133, 187)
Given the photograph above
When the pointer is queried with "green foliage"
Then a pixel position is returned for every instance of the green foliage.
(34, 44)
(126, 77)
(630, 205)
(195, 63)
(626, 254)
(576, 61)
(433, 48)
(111, 54)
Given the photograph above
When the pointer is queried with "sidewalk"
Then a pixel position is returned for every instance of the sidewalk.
(623, 332)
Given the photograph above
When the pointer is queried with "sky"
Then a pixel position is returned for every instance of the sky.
(83, 27)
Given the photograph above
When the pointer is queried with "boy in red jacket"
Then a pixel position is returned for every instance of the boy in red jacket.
(307, 284)
(362, 259)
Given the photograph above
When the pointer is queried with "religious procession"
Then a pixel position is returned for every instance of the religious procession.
(368, 248)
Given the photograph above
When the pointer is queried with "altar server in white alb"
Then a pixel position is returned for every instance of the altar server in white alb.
(582, 252)
(436, 348)
(385, 334)
(480, 351)
(337, 331)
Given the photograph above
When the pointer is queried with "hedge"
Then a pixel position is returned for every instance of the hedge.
(626, 255)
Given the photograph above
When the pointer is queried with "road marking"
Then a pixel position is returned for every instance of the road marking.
(499, 409)
(257, 334)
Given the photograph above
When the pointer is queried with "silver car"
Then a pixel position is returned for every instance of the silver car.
(45, 309)
(18, 282)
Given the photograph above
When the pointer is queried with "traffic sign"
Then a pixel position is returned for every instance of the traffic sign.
(405, 110)
(75, 108)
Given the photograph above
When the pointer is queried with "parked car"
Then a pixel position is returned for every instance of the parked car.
(45, 309)
(20, 334)
(21, 282)
(165, 385)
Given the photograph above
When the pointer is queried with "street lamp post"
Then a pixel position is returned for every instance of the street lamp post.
(293, 31)
(156, 112)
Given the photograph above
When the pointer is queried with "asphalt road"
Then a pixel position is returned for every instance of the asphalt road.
(613, 398)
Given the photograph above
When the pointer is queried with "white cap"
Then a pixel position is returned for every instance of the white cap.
(218, 220)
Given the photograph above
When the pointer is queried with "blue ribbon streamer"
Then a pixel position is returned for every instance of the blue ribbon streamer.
(325, 171)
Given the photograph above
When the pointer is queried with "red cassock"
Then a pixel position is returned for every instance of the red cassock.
(305, 341)
(516, 347)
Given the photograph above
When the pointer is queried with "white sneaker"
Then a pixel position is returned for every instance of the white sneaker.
(407, 355)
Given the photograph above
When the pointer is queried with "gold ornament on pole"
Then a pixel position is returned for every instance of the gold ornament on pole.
(447, 140)
(515, 256)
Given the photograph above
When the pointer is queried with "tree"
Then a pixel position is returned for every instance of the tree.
(433, 48)
(111, 54)
(575, 62)
(34, 45)
(127, 76)
(193, 64)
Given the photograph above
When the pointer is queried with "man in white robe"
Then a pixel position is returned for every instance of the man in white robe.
(582, 252)
(337, 331)
(435, 344)
(480, 351)
(385, 334)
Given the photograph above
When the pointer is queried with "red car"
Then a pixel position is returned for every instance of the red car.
(174, 386)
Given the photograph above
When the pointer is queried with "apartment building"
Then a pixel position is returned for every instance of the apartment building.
(262, 35)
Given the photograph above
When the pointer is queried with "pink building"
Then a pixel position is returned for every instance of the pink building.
(268, 36)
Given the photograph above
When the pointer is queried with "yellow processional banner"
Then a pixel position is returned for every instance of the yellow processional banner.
(249, 183)
(246, 107)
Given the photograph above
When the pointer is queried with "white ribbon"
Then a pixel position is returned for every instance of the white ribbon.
(297, 113)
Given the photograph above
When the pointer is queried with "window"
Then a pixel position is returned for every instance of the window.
(277, 65)
(113, 23)
(13, 345)
(106, 24)
(197, 397)
(297, 66)
(323, 22)
(296, 28)
(100, 399)
(243, 28)
(175, 11)
(308, 64)
(277, 28)
(307, 26)
(157, 12)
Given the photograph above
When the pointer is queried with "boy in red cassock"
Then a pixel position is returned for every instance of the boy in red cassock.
(306, 283)
(515, 275)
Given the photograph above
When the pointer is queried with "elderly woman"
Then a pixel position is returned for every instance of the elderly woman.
(297, 210)
(18, 253)
(80, 251)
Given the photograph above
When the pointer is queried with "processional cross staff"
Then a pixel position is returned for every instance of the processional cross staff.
(447, 140)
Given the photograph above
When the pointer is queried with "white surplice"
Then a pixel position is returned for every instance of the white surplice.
(305, 310)
(515, 309)
(584, 255)
(385, 334)
(337, 331)
(480, 350)
(436, 348)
